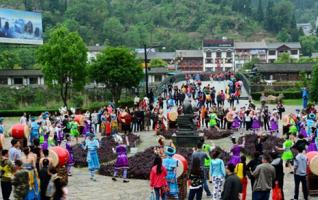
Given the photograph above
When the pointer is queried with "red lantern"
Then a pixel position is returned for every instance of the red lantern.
(62, 155)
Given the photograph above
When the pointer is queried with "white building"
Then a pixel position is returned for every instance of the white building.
(93, 51)
(21, 77)
(246, 51)
(218, 55)
(274, 50)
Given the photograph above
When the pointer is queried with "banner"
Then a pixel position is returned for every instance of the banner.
(20, 27)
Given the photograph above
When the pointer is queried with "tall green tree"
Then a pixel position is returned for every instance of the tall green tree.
(157, 62)
(117, 68)
(63, 60)
(314, 84)
(8, 59)
(259, 15)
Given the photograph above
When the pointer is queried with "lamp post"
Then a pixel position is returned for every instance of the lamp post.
(146, 69)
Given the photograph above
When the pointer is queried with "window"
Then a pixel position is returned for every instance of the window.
(208, 54)
(158, 78)
(294, 52)
(18, 81)
(229, 60)
(219, 54)
(272, 52)
(208, 60)
(3, 81)
(33, 80)
(229, 54)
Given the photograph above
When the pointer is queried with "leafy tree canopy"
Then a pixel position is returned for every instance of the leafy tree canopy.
(157, 62)
(117, 68)
(63, 59)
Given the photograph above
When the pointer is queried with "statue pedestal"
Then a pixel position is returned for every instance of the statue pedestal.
(186, 140)
(186, 134)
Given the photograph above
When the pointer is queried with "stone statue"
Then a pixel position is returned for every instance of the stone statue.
(187, 107)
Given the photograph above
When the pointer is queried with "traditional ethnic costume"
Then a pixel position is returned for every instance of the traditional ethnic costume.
(274, 124)
(59, 134)
(35, 131)
(236, 122)
(171, 164)
(256, 122)
(287, 154)
(213, 118)
(310, 123)
(70, 161)
(92, 145)
(236, 154)
(122, 161)
(34, 188)
(313, 146)
(74, 129)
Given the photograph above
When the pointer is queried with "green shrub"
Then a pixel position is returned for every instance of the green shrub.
(287, 94)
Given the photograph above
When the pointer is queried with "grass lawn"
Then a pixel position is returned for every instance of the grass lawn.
(287, 102)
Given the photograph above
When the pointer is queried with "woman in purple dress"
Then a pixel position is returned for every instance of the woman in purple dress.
(236, 152)
(274, 122)
(236, 122)
(256, 122)
(313, 144)
(69, 148)
(302, 127)
(59, 133)
(87, 126)
(122, 161)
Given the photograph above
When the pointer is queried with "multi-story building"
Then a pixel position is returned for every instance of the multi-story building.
(189, 60)
(274, 50)
(246, 51)
(218, 55)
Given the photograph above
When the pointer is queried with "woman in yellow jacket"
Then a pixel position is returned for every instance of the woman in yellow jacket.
(240, 171)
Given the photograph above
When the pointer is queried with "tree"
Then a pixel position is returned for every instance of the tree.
(8, 60)
(283, 36)
(63, 60)
(309, 44)
(284, 58)
(314, 84)
(251, 64)
(260, 12)
(157, 62)
(117, 68)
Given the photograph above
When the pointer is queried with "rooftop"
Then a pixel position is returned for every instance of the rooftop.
(218, 43)
(272, 68)
(189, 53)
(161, 55)
(21, 72)
(292, 45)
(158, 70)
(250, 45)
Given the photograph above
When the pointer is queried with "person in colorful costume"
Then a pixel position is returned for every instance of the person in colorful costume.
(274, 127)
(69, 148)
(74, 130)
(302, 128)
(35, 130)
(236, 151)
(237, 121)
(313, 146)
(122, 160)
(59, 133)
(310, 123)
(87, 125)
(171, 165)
(256, 122)
(92, 145)
(287, 155)
(213, 120)
(305, 97)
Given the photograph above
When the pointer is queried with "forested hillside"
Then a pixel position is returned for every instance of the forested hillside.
(176, 24)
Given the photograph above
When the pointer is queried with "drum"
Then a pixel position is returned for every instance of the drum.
(313, 161)
(62, 155)
(79, 119)
(54, 157)
(172, 116)
(1, 141)
(19, 131)
(182, 164)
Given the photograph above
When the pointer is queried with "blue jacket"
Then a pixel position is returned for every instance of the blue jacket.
(217, 168)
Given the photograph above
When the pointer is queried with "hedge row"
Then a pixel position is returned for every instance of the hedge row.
(287, 94)
(37, 111)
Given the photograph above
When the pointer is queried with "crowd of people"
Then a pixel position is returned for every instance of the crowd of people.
(28, 167)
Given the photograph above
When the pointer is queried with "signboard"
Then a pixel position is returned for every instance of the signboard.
(20, 27)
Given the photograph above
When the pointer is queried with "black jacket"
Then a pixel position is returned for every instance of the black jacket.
(232, 188)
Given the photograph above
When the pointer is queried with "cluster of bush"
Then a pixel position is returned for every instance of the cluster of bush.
(287, 94)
